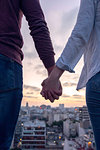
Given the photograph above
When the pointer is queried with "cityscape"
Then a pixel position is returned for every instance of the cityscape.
(53, 128)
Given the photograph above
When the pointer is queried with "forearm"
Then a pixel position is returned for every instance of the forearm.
(56, 73)
(49, 70)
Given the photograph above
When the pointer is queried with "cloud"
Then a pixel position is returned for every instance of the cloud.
(73, 97)
(43, 73)
(78, 96)
(30, 93)
(40, 70)
(30, 55)
(28, 87)
(78, 101)
(67, 84)
(69, 20)
(76, 77)
(58, 48)
(38, 67)
(65, 96)
(30, 97)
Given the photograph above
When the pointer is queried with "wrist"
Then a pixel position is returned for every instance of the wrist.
(56, 73)
(49, 70)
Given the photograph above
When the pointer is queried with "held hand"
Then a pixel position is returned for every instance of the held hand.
(52, 89)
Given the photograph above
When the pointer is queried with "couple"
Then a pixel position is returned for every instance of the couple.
(85, 39)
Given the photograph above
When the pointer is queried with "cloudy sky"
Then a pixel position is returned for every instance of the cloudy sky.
(61, 17)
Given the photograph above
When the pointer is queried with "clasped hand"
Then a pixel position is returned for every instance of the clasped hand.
(51, 89)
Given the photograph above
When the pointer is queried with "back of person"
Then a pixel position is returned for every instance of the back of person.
(11, 56)
(11, 42)
(10, 23)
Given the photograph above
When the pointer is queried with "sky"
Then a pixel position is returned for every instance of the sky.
(60, 17)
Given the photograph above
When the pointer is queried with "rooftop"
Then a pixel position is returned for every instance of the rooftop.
(35, 123)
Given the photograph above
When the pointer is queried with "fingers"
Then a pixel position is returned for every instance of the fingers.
(47, 95)
(51, 91)
(50, 97)
(42, 93)
(43, 83)
(54, 95)
(58, 92)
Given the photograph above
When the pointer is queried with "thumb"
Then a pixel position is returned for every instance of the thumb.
(58, 92)
(43, 83)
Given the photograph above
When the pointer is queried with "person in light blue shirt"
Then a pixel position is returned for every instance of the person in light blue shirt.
(84, 40)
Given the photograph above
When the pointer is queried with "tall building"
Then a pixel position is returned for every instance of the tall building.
(84, 117)
(57, 117)
(60, 116)
(50, 118)
(70, 129)
(84, 113)
(61, 106)
(34, 135)
(27, 105)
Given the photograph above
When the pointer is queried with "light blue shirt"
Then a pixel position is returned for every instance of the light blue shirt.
(84, 40)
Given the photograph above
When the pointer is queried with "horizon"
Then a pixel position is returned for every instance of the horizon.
(52, 106)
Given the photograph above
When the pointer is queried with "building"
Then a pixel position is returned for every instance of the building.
(84, 113)
(70, 129)
(36, 113)
(17, 133)
(60, 116)
(57, 117)
(27, 105)
(43, 107)
(84, 117)
(53, 147)
(61, 106)
(50, 118)
(34, 135)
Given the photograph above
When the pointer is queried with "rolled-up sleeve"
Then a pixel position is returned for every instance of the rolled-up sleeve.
(80, 35)
(39, 31)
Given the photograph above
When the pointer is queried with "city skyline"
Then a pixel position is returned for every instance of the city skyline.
(60, 17)
(51, 128)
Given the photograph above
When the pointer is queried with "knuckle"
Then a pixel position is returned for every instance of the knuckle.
(57, 98)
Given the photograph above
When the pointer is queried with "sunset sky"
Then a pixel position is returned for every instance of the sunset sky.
(61, 17)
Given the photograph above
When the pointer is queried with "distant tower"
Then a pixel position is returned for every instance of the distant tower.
(27, 104)
(61, 106)
(27, 108)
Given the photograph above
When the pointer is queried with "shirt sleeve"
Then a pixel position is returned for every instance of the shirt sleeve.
(79, 36)
(39, 31)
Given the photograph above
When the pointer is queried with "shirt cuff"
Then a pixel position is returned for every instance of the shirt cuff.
(63, 66)
(49, 62)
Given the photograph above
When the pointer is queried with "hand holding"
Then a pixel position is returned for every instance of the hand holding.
(52, 89)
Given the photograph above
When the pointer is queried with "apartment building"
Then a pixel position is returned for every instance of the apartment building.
(34, 135)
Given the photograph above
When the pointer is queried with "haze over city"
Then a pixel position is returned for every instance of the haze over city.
(60, 17)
